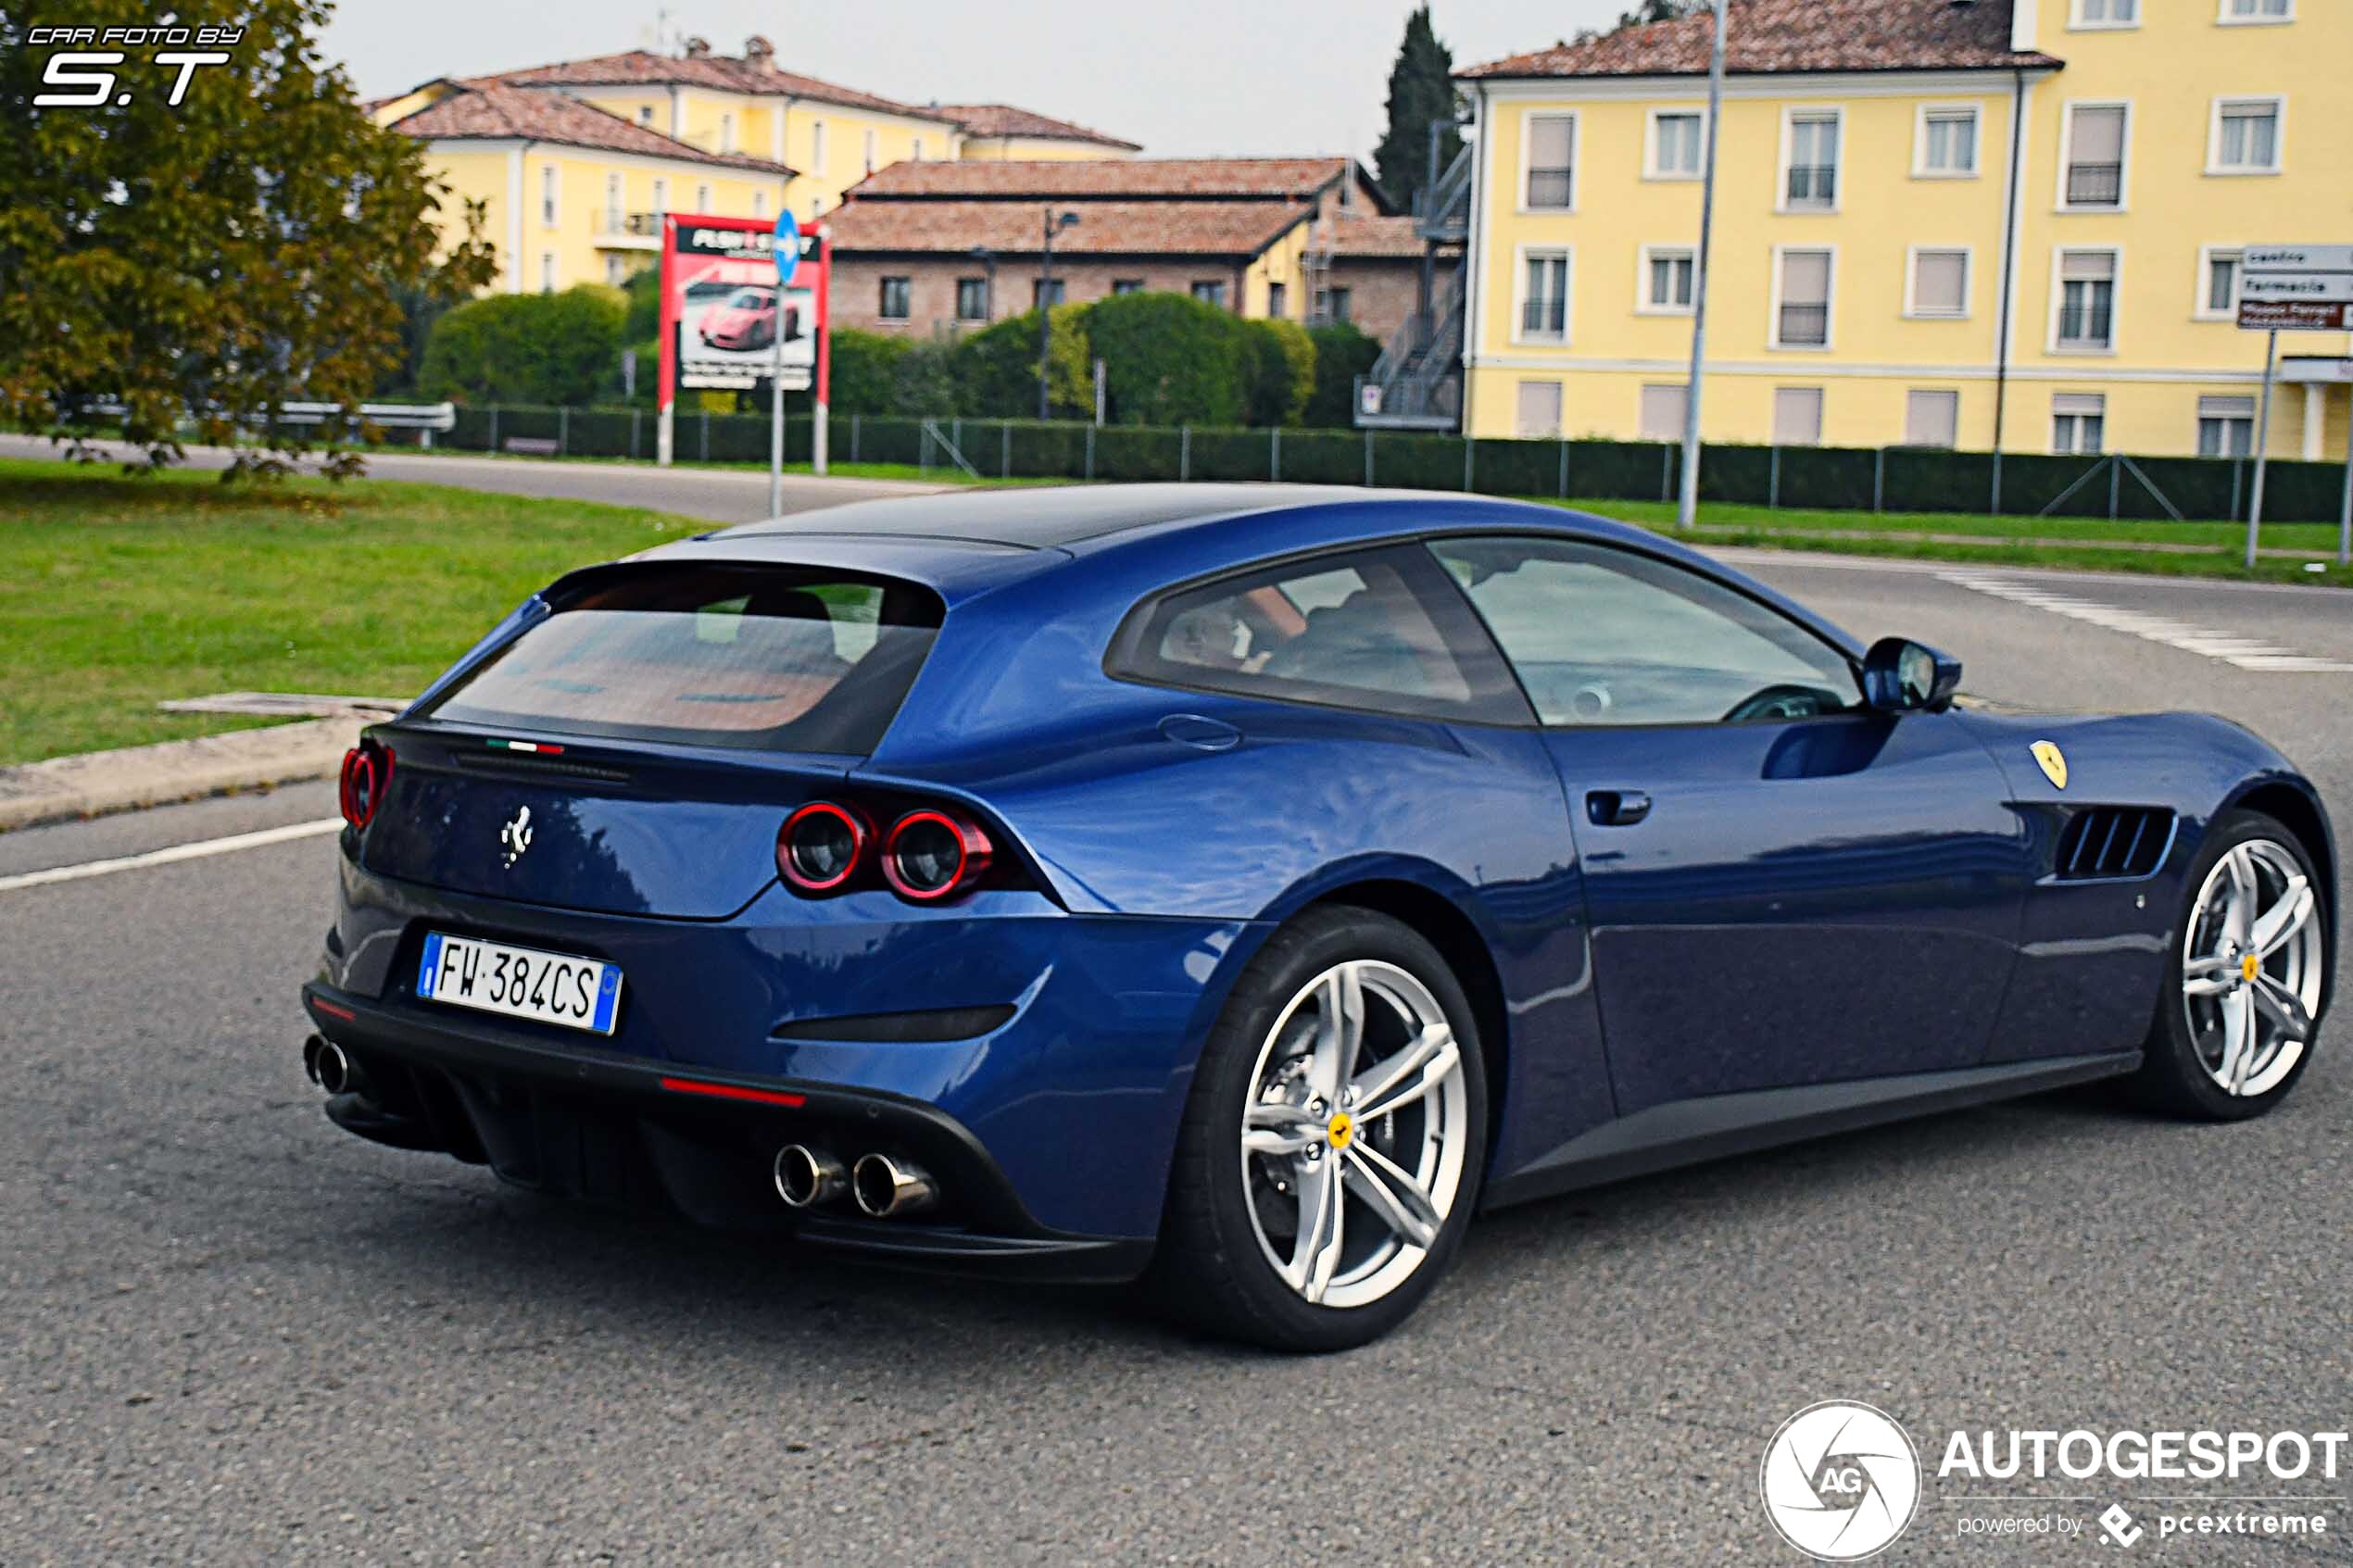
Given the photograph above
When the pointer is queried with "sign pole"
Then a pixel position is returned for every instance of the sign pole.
(783, 248)
(2345, 516)
(666, 380)
(824, 378)
(1687, 506)
(2263, 443)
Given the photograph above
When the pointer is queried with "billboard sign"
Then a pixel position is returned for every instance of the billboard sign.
(724, 311)
(2297, 288)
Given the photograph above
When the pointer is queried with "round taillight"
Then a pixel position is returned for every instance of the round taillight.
(367, 772)
(932, 855)
(820, 847)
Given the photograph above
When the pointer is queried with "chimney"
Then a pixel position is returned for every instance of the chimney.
(698, 48)
(759, 52)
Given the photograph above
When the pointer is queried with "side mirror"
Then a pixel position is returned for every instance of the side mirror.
(1905, 677)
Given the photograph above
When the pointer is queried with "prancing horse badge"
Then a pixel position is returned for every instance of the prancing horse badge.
(2053, 762)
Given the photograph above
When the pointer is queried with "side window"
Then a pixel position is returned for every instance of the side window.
(1375, 629)
(1605, 636)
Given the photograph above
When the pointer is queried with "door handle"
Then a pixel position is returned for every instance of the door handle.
(1617, 808)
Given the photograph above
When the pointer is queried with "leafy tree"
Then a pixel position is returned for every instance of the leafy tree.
(642, 289)
(997, 367)
(1342, 352)
(866, 372)
(1647, 12)
(526, 347)
(1281, 369)
(214, 259)
(1168, 359)
(1421, 88)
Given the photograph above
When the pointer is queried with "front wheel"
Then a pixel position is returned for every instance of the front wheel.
(1331, 1152)
(2246, 979)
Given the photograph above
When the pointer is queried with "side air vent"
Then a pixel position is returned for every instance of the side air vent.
(2113, 841)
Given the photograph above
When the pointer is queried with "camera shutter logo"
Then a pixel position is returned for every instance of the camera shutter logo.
(1841, 1481)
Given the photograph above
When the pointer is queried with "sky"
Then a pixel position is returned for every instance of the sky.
(1204, 78)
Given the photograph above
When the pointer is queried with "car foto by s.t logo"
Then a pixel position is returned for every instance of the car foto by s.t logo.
(1841, 1481)
(180, 47)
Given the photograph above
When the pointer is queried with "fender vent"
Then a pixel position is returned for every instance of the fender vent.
(2113, 841)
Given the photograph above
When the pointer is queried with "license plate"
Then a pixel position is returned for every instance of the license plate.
(520, 982)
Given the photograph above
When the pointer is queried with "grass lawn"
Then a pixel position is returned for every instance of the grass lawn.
(117, 593)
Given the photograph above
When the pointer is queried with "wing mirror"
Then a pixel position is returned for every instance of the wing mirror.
(1905, 677)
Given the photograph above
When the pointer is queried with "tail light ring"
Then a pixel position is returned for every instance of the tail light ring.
(862, 837)
(973, 852)
(376, 761)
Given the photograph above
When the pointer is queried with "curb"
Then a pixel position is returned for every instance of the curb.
(67, 788)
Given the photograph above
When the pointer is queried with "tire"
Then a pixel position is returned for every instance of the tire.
(2179, 1071)
(1216, 1265)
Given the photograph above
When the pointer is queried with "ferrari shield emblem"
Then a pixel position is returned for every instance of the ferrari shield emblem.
(2053, 762)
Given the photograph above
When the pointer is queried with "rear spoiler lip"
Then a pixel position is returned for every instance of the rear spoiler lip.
(609, 751)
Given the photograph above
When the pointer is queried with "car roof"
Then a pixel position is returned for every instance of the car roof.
(1042, 516)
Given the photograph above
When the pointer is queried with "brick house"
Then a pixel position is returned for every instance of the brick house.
(937, 247)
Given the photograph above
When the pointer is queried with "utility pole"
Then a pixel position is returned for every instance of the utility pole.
(1045, 301)
(1688, 512)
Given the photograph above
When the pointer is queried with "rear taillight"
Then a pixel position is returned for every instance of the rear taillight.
(367, 774)
(934, 854)
(822, 845)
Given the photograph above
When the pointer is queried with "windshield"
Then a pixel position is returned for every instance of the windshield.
(759, 657)
(750, 299)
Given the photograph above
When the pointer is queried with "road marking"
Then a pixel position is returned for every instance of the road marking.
(196, 851)
(2247, 653)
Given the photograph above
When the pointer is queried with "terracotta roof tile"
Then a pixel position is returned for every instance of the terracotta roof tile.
(1105, 228)
(500, 113)
(1374, 236)
(1767, 36)
(725, 73)
(1004, 120)
(1293, 178)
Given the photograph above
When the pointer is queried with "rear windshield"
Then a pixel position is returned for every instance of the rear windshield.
(763, 658)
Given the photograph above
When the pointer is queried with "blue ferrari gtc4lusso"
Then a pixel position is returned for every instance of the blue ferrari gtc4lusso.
(1240, 887)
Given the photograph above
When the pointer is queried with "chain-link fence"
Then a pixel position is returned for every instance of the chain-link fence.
(1894, 479)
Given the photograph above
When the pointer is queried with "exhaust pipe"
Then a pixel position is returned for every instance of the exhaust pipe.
(886, 1187)
(806, 1177)
(326, 1065)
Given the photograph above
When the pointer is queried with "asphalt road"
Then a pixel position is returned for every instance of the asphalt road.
(230, 1333)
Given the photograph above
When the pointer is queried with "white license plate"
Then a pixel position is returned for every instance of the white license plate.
(520, 982)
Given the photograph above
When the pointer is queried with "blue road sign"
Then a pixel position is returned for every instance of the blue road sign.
(787, 247)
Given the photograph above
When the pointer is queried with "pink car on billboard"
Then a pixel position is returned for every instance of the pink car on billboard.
(746, 320)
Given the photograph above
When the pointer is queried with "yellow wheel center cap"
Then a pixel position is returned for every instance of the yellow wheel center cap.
(1342, 1128)
(2249, 966)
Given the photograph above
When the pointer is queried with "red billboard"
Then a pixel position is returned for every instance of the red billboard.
(725, 322)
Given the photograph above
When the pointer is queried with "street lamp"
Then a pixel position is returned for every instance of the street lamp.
(1045, 300)
(987, 259)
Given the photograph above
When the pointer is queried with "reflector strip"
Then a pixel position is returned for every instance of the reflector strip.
(333, 1011)
(734, 1091)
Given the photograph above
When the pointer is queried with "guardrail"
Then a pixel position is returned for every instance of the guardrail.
(426, 418)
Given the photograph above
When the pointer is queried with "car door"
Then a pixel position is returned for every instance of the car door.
(1783, 888)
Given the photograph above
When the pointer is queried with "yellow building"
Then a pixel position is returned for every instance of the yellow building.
(577, 160)
(1933, 218)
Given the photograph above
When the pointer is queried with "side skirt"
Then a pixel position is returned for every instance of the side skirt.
(1688, 1132)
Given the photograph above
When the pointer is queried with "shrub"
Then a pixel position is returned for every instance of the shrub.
(997, 367)
(525, 347)
(925, 381)
(866, 372)
(1168, 359)
(1281, 368)
(1342, 352)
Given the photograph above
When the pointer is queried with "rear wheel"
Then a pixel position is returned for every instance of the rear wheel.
(1331, 1152)
(2246, 981)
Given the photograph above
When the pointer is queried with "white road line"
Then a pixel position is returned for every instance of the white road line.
(195, 851)
(2246, 653)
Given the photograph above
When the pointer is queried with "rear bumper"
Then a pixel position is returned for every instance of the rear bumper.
(582, 1121)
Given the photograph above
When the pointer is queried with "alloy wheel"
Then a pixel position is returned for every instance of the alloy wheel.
(2252, 967)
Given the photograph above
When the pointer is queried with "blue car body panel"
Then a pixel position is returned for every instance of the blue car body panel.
(1809, 903)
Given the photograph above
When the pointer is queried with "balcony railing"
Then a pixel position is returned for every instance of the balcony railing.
(1550, 187)
(629, 230)
(1813, 184)
(1543, 318)
(1805, 326)
(2094, 185)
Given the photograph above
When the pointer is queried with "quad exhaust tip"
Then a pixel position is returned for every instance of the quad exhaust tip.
(886, 1187)
(325, 1065)
(806, 1177)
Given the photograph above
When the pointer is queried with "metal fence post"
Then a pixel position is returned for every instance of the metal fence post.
(1879, 479)
(706, 435)
(563, 429)
(1564, 479)
(1274, 452)
(956, 431)
(1369, 459)
(2237, 476)
(1995, 509)
(2115, 482)
(494, 436)
(1666, 473)
(1773, 480)
(1005, 457)
(1090, 451)
(1470, 448)
(1184, 453)
(853, 438)
(634, 416)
